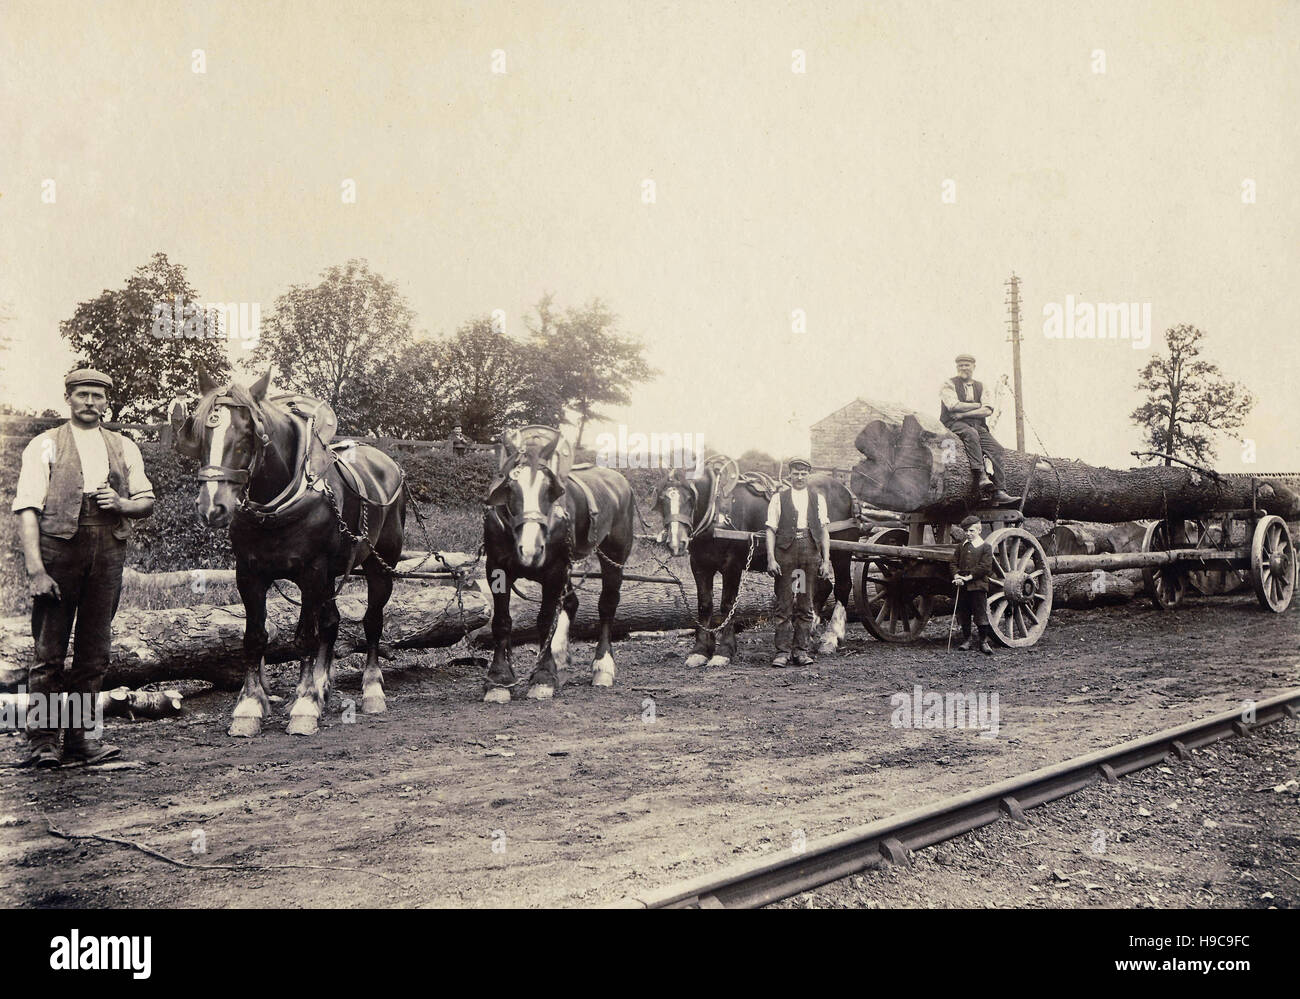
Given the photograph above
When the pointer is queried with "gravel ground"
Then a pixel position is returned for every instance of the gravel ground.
(1219, 831)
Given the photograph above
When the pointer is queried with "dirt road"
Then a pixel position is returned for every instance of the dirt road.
(598, 793)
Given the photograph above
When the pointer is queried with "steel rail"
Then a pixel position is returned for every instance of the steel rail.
(755, 883)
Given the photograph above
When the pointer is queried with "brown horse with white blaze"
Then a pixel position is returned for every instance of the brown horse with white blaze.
(299, 510)
(691, 506)
(540, 517)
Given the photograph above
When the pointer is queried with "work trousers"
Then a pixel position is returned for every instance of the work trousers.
(979, 442)
(972, 603)
(794, 593)
(88, 569)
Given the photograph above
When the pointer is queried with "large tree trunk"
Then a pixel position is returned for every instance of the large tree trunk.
(912, 463)
(206, 642)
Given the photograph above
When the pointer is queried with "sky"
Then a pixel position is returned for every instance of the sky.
(777, 193)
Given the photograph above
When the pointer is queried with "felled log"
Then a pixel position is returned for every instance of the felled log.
(1075, 539)
(911, 462)
(133, 704)
(206, 642)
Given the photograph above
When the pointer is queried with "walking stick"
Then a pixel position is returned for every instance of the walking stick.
(956, 583)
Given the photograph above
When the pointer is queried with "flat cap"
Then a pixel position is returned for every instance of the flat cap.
(798, 460)
(969, 522)
(87, 376)
(964, 357)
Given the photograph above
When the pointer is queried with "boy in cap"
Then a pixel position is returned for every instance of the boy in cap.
(974, 566)
(798, 550)
(78, 488)
(963, 411)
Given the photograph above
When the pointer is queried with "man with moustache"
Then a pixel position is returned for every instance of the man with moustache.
(963, 411)
(79, 487)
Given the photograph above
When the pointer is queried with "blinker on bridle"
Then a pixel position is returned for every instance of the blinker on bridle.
(223, 473)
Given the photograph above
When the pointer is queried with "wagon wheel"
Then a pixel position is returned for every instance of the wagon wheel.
(1166, 585)
(886, 604)
(1272, 564)
(1020, 588)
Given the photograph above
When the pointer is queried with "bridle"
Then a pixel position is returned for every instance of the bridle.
(262, 444)
(539, 517)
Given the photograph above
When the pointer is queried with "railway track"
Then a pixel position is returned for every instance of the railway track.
(755, 883)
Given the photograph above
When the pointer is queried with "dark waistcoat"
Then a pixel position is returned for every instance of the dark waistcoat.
(785, 526)
(63, 497)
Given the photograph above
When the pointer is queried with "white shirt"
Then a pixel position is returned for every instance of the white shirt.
(38, 459)
(94, 457)
(948, 393)
(799, 497)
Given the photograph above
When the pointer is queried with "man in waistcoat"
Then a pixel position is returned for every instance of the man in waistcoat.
(79, 487)
(963, 411)
(798, 550)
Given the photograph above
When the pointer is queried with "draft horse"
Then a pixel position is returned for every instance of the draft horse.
(691, 506)
(301, 510)
(541, 515)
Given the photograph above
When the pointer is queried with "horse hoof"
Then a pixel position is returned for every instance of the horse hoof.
(541, 692)
(720, 661)
(245, 727)
(602, 679)
(373, 705)
(695, 659)
(497, 695)
(827, 646)
(302, 725)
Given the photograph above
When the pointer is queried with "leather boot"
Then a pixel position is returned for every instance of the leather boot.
(986, 646)
(42, 732)
(967, 644)
(81, 745)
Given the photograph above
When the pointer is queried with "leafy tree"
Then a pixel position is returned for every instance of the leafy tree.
(493, 382)
(331, 339)
(115, 332)
(758, 461)
(592, 363)
(404, 396)
(1188, 400)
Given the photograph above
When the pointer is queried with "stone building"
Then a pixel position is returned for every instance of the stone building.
(833, 436)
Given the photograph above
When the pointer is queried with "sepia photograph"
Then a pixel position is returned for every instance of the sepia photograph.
(652, 454)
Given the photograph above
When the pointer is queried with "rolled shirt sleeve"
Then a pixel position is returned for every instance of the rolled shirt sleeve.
(822, 510)
(949, 394)
(138, 483)
(34, 475)
(774, 511)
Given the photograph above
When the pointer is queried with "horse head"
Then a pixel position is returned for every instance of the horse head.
(675, 499)
(228, 433)
(527, 495)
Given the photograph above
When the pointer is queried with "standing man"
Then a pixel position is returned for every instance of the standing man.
(974, 566)
(963, 411)
(798, 550)
(79, 487)
(459, 441)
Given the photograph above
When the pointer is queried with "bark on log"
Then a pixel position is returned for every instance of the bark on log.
(911, 463)
(206, 642)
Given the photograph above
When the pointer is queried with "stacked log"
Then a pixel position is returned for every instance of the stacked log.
(912, 462)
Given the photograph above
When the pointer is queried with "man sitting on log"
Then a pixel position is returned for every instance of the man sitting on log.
(798, 550)
(963, 411)
(974, 565)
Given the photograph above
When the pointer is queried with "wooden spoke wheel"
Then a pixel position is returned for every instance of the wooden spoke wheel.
(1020, 588)
(887, 605)
(1273, 564)
(1166, 585)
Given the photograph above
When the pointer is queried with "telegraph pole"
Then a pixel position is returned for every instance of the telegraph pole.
(1013, 321)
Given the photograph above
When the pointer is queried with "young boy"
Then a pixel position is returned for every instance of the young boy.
(974, 565)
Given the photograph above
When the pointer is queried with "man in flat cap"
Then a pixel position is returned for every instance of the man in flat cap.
(798, 550)
(79, 487)
(973, 567)
(963, 411)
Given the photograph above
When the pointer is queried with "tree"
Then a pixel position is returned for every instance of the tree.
(330, 340)
(591, 362)
(118, 333)
(493, 381)
(754, 460)
(1188, 400)
(404, 395)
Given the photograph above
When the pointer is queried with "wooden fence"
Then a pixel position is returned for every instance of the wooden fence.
(164, 432)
